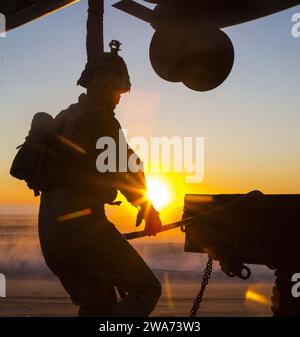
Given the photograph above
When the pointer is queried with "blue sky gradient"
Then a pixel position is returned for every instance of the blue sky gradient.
(250, 123)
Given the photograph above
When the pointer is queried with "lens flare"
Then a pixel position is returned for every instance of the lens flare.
(158, 192)
(71, 145)
(74, 215)
(255, 297)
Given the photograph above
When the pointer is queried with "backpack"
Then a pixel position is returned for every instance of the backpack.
(28, 162)
(43, 161)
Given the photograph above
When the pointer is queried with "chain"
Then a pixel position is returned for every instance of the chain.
(205, 280)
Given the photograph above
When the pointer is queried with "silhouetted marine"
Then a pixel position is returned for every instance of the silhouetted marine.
(80, 245)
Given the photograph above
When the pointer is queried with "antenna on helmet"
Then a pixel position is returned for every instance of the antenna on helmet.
(115, 46)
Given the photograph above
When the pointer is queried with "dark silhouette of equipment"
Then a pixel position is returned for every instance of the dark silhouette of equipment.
(188, 45)
(241, 229)
(249, 229)
(19, 12)
(195, 52)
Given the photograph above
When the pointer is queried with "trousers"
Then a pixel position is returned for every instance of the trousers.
(93, 260)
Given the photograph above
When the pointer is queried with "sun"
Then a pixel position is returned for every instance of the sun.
(158, 192)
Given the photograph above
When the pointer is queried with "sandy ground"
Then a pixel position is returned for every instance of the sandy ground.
(48, 298)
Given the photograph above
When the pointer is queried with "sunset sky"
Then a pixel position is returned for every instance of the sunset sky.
(250, 123)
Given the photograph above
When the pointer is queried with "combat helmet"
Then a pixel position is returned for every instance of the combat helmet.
(108, 71)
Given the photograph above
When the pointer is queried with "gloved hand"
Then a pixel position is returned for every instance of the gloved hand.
(151, 216)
